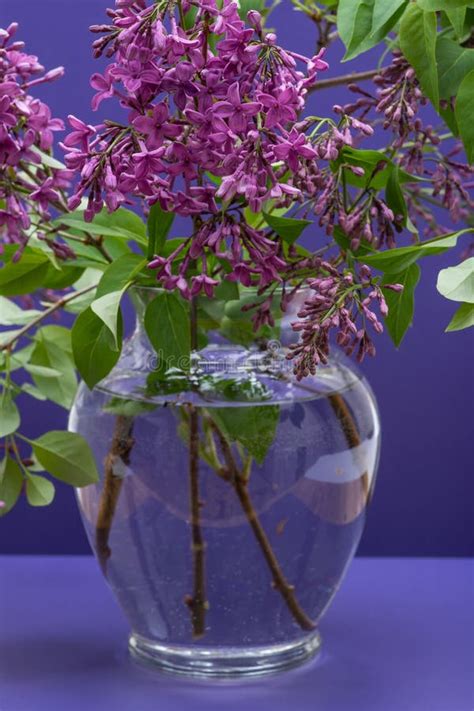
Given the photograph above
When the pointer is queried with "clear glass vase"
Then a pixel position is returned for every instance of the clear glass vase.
(231, 500)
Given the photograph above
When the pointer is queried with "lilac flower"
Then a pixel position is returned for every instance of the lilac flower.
(235, 110)
(294, 147)
(80, 135)
(26, 128)
(281, 107)
(104, 87)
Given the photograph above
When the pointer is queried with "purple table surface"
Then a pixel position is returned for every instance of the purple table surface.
(399, 637)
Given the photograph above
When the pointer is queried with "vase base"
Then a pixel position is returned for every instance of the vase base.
(225, 662)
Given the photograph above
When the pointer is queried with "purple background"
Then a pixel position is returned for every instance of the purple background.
(398, 638)
(424, 501)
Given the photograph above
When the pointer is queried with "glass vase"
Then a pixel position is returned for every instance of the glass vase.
(232, 499)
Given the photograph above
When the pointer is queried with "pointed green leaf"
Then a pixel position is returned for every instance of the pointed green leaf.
(397, 260)
(66, 456)
(464, 114)
(463, 318)
(253, 427)
(95, 352)
(385, 12)
(24, 276)
(9, 414)
(401, 304)
(457, 283)
(434, 5)
(120, 274)
(11, 483)
(112, 286)
(159, 226)
(418, 35)
(454, 63)
(13, 315)
(107, 308)
(457, 18)
(364, 23)
(168, 327)
(53, 351)
(122, 223)
(39, 491)
(287, 228)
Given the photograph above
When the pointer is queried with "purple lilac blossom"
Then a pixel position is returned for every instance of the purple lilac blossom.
(214, 132)
(28, 188)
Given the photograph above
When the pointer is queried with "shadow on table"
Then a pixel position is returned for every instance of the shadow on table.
(95, 674)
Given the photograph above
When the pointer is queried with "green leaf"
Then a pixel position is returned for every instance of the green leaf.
(434, 5)
(454, 62)
(394, 195)
(168, 327)
(13, 315)
(128, 408)
(59, 334)
(394, 261)
(50, 353)
(464, 114)
(112, 286)
(463, 318)
(401, 304)
(94, 348)
(39, 491)
(122, 223)
(418, 34)
(457, 283)
(66, 456)
(120, 274)
(107, 308)
(372, 162)
(20, 358)
(42, 370)
(11, 483)
(24, 276)
(48, 160)
(246, 5)
(354, 23)
(457, 18)
(287, 228)
(253, 427)
(159, 226)
(32, 391)
(9, 415)
(362, 24)
(386, 13)
(6, 336)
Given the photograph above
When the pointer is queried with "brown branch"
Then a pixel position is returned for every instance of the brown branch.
(240, 485)
(44, 314)
(344, 79)
(197, 603)
(120, 450)
(346, 420)
(351, 433)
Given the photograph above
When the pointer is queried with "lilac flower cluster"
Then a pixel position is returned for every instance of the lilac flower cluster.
(399, 99)
(212, 129)
(28, 188)
(337, 301)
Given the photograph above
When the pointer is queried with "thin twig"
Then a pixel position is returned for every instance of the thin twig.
(120, 450)
(197, 603)
(344, 79)
(44, 314)
(349, 427)
(240, 485)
